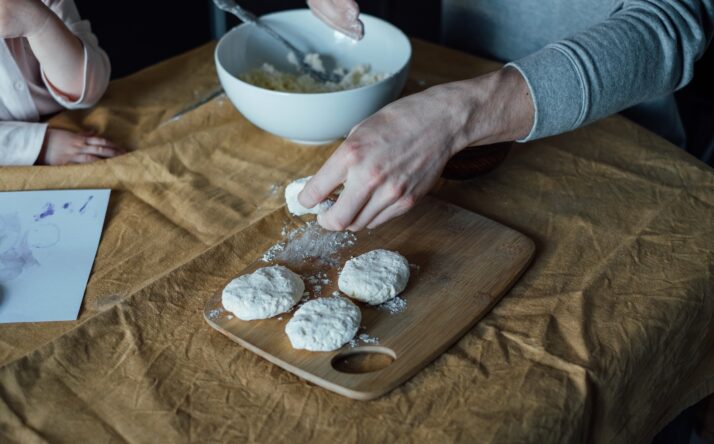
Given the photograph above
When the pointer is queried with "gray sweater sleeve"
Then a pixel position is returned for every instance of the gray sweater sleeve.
(644, 50)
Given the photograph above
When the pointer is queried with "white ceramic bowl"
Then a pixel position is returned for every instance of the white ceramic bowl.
(318, 117)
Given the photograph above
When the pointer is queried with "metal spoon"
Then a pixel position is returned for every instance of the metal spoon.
(232, 7)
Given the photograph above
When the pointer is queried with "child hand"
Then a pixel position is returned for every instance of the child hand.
(22, 18)
(63, 147)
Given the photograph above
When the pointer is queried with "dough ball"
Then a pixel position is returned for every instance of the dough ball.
(294, 206)
(374, 277)
(324, 324)
(264, 293)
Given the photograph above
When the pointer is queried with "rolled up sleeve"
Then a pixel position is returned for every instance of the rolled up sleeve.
(645, 50)
(21, 142)
(97, 68)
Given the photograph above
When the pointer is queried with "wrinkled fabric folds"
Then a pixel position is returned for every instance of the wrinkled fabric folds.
(605, 338)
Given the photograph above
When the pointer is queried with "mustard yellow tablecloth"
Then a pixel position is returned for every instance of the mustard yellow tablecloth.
(605, 339)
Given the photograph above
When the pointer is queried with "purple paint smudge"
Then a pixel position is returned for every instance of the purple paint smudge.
(84, 207)
(15, 252)
(49, 211)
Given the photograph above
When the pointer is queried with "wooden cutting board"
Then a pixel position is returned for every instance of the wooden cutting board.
(462, 264)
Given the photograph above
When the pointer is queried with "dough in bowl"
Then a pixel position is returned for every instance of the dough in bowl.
(264, 293)
(323, 324)
(295, 207)
(374, 277)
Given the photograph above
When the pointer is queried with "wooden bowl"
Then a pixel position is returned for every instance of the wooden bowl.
(475, 161)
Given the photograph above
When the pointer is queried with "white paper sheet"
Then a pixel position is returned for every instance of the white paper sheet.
(48, 242)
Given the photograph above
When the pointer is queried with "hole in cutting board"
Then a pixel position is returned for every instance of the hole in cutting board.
(364, 360)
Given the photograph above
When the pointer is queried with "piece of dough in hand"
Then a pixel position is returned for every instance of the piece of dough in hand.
(295, 207)
(324, 324)
(264, 293)
(374, 277)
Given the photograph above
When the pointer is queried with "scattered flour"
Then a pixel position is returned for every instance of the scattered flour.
(319, 277)
(213, 314)
(367, 339)
(394, 305)
(317, 281)
(310, 241)
(270, 254)
(364, 339)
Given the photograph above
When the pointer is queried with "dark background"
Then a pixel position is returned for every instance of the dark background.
(137, 34)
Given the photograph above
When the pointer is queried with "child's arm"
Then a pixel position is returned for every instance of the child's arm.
(96, 67)
(75, 71)
(74, 68)
(61, 55)
(93, 68)
(27, 143)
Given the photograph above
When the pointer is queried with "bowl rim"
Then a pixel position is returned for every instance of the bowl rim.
(221, 42)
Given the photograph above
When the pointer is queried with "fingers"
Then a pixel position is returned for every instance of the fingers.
(332, 174)
(397, 209)
(84, 158)
(64, 147)
(101, 151)
(343, 212)
(384, 197)
(100, 141)
(97, 146)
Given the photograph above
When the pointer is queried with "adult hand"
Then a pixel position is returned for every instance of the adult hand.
(63, 147)
(395, 156)
(22, 18)
(340, 15)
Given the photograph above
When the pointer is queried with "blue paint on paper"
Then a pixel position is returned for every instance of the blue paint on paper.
(15, 252)
(49, 211)
(84, 207)
(47, 251)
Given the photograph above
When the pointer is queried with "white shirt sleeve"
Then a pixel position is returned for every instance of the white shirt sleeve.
(96, 63)
(21, 142)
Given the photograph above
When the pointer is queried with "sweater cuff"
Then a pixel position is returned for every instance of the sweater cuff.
(21, 142)
(557, 89)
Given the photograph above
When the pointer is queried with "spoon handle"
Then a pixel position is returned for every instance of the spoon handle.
(280, 38)
(245, 16)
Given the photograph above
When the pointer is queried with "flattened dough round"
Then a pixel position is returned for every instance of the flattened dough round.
(264, 293)
(374, 277)
(324, 324)
(295, 207)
